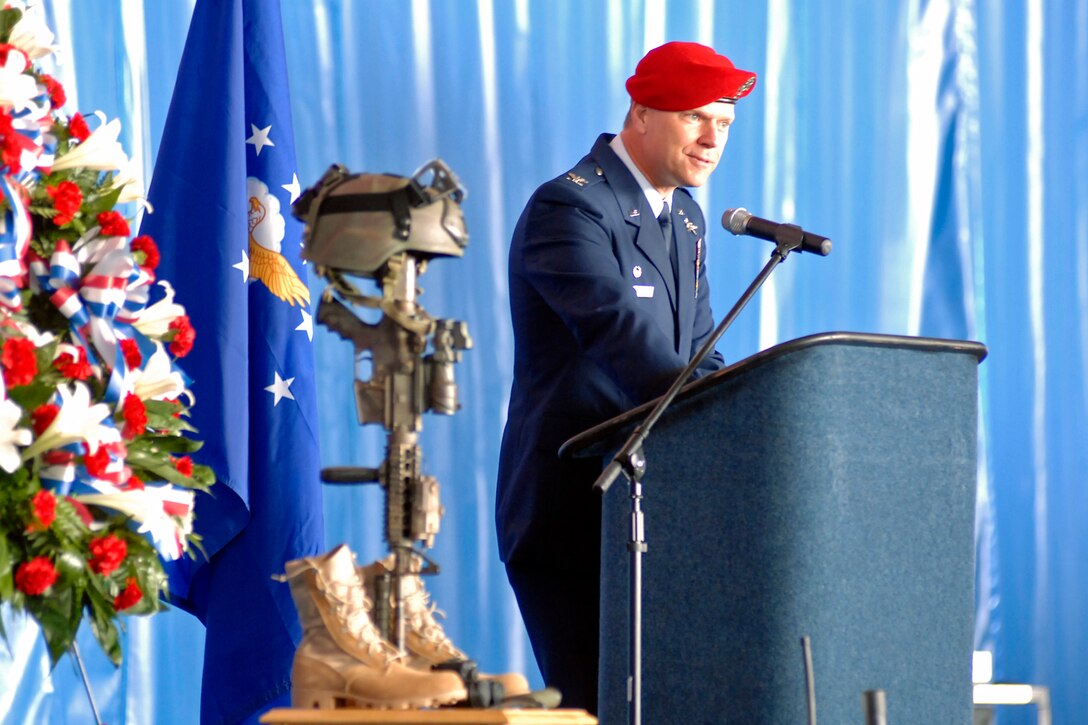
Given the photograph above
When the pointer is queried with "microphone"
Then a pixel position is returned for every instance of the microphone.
(740, 221)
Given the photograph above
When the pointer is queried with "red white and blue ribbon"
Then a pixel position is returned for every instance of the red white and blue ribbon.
(91, 303)
(28, 123)
(15, 232)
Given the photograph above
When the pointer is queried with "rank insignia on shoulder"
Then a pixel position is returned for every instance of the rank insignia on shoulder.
(580, 181)
(693, 228)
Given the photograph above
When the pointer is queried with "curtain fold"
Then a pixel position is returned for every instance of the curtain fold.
(942, 145)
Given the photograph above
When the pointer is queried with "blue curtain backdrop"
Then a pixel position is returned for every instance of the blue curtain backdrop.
(942, 144)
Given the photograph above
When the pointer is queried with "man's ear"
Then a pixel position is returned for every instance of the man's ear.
(638, 115)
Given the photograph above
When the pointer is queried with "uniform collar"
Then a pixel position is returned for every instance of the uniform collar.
(657, 203)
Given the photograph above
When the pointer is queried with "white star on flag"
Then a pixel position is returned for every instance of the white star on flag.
(307, 324)
(280, 389)
(293, 188)
(259, 139)
(243, 266)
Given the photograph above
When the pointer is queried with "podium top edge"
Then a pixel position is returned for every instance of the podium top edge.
(589, 437)
(869, 339)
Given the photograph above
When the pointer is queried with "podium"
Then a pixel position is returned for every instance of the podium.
(825, 488)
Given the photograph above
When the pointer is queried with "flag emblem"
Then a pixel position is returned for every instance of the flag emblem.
(266, 261)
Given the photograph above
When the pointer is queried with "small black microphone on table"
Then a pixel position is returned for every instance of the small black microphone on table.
(741, 221)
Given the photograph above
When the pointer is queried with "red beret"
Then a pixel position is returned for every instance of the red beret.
(677, 76)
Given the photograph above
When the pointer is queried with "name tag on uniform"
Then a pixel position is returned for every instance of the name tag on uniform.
(643, 290)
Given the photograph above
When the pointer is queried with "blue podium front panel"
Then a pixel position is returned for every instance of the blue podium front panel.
(828, 492)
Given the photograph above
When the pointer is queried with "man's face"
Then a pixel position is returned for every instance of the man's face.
(681, 148)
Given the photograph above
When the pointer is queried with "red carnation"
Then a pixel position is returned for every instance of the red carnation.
(56, 91)
(146, 244)
(77, 127)
(35, 576)
(184, 335)
(107, 553)
(129, 596)
(74, 367)
(134, 484)
(19, 361)
(42, 416)
(184, 465)
(135, 413)
(131, 350)
(12, 145)
(44, 504)
(97, 462)
(10, 151)
(113, 224)
(67, 199)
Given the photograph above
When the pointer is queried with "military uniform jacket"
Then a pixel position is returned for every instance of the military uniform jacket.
(601, 324)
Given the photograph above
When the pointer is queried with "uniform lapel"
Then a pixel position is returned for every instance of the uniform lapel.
(687, 237)
(637, 212)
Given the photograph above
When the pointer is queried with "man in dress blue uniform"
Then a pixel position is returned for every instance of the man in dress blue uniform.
(609, 301)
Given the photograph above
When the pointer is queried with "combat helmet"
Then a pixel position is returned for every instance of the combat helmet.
(356, 222)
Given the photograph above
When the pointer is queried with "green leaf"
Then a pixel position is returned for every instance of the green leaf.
(38, 391)
(8, 18)
(168, 425)
(58, 614)
(95, 204)
(203, 475)
(43, 211)
(7, 567)
(68, 526)
(163, 468)
(152, 445)
(102, 623)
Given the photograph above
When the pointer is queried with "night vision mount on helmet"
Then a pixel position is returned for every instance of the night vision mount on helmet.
(356, 222)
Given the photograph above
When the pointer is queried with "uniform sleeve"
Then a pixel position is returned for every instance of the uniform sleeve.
(570, 260)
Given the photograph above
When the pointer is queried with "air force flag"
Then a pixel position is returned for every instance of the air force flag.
(223, 183)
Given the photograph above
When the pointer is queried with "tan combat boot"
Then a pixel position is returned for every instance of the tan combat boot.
(342, 660)
(424, 639)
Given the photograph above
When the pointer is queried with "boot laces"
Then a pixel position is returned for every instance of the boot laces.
(421, 614)
(352, 606)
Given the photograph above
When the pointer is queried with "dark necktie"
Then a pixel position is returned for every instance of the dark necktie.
(665, 220)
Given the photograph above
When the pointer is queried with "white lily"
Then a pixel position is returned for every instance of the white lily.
(77, 420)
(101, 151)
(11, 437)
(157, 380)
(164, 512)
(16, 87)
(131, 184)
(154, 321)
(32, 34)
(30, 332)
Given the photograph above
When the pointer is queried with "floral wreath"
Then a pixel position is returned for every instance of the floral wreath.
(96, 484)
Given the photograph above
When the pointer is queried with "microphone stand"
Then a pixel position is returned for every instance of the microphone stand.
(631, 462)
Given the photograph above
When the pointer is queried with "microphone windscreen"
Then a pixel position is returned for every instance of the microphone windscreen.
(736, 220)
